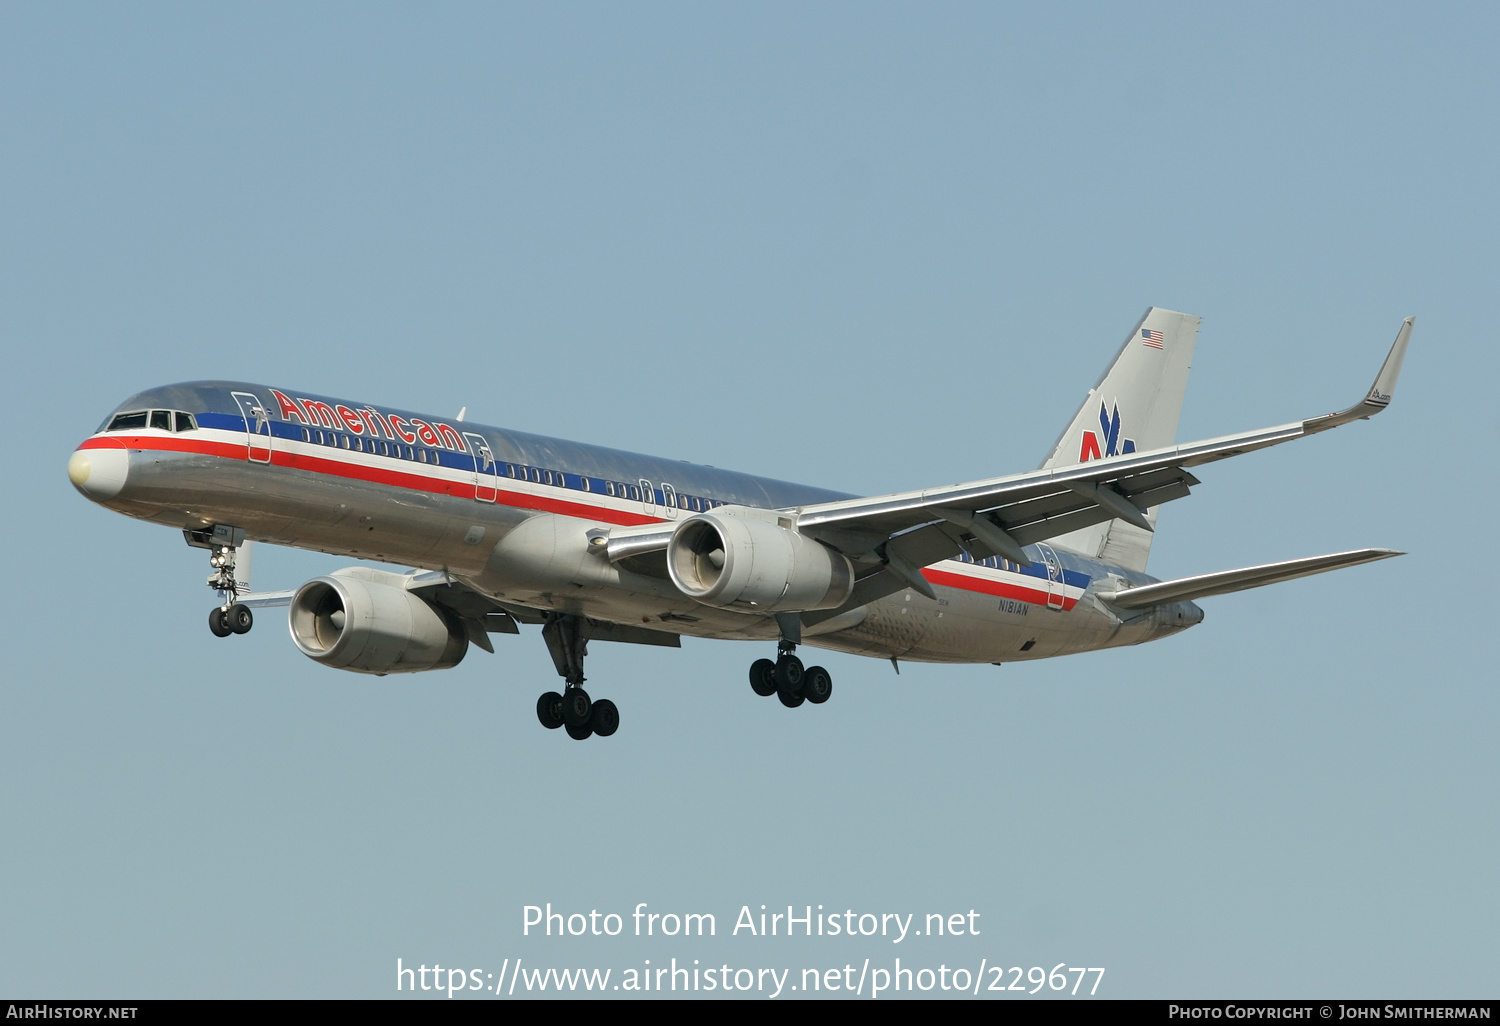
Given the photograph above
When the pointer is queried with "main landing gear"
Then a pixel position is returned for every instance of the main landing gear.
(788, 680)
(567, 641)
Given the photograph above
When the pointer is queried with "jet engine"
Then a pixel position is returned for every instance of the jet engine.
(366, 621)
(740, 561)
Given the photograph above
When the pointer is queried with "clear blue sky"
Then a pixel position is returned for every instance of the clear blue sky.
(873, 247)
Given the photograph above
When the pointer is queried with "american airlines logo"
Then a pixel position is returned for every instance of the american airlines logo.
(1108, 441)
(369, 421)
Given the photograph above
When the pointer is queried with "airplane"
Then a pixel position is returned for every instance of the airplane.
(503, 528)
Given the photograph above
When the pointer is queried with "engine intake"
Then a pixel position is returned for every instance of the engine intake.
(742, 562)
(366, 621)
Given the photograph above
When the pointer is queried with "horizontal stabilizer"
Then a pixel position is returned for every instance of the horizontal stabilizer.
(1186, 589)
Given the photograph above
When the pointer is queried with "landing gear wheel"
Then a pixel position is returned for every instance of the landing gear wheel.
(791, 701)
(579, 733)
(576, 708)
(605, 719)
(817, 685)
(218, 622)
(240, 618)
(788, 674)
(762, 677)
(549, 710)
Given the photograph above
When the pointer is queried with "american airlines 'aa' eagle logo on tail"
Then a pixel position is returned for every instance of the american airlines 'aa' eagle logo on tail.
(1109, 436)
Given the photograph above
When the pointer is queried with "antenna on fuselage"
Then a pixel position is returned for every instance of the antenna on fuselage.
(461, 414)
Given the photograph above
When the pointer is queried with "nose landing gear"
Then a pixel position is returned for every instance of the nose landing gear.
(566, 636)
(235, 618)
(223, 544)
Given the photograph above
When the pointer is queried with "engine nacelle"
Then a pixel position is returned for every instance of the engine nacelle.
(743, 562)
(366, 621)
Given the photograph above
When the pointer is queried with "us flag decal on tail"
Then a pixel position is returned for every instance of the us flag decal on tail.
(1152, 338)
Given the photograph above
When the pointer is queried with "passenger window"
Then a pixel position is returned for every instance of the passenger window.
(306, 434)
(344, 440)
(422, 455)
(161, 420)
(185, 422)
(586, 484)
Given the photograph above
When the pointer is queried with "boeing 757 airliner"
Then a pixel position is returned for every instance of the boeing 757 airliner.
(503, 528)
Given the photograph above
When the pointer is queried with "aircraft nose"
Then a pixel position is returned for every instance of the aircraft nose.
(99, 472)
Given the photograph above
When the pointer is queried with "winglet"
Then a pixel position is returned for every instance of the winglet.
(1380, 393)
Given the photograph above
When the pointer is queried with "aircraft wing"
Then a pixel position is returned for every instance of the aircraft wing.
(1188, 589)
(484, 616)
(909, 530)
(265, 599)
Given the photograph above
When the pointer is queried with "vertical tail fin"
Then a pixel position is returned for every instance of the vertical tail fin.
(1135, 406)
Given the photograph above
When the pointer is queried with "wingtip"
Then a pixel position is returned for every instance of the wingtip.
(1382, 390)
(1385, 382)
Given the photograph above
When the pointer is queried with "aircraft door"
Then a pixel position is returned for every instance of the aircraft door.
(648, 497)
(1055, 593)
(669, 500)
(486, 472)
(257, 426)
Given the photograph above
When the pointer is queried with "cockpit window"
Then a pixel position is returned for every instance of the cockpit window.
(127, 421)
(162, 420)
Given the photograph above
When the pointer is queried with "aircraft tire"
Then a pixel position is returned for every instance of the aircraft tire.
(762, 678)
(218, 622)
(240, 618)
(549, 710)
(578, 733)
(792, 700)
(605, 718)
(817, 685)
(576, 708)
(788, 674)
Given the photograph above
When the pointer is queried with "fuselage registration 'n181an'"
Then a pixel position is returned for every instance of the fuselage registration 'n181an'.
(592, 543)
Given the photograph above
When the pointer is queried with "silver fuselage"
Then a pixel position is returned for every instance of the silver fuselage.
(507, 514)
